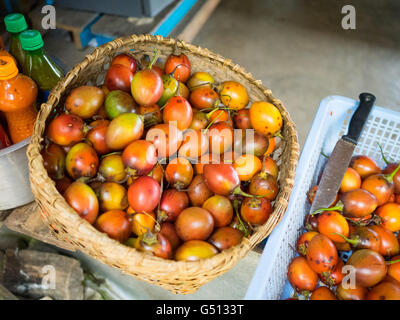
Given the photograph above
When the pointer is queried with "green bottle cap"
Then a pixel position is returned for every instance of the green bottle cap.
(31, 40)
(15, 22)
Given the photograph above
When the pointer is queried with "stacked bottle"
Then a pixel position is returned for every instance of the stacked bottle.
(38, 65)
(15, 24)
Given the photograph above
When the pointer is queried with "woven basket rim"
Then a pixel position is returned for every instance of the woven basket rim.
(39, 177)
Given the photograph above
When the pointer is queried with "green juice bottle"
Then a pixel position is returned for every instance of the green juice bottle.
(15, 24)
(38, 65)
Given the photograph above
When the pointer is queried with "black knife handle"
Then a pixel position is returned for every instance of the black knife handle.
(360, 117)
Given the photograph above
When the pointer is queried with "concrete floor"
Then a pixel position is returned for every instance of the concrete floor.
(299, 50)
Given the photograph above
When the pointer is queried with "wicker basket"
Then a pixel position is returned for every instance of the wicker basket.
(178, 277)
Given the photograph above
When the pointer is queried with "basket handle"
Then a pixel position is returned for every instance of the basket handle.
(360, 117)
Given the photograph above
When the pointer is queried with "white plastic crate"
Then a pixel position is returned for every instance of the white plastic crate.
(330, 123)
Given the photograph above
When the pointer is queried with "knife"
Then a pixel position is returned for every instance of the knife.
(341, 155)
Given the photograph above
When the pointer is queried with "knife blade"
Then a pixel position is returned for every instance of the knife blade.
(341, 155)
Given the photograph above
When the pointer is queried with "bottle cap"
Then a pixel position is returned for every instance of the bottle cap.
(31, 40)
(15, 22)
(8, 68)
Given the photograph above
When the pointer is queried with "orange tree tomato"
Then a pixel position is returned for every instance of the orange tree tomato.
(143, 222)
(194, 250)
(332, 224)
(178, 111)
(265, 118)
(233, 95)
(84, 101)
(301, 276)
(83, 200)
(321, 255)
(82, 161)
(247, 166)
(116, 224)
(351, 181)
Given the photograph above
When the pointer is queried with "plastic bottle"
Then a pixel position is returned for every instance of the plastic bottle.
(4, 53)
(18, 95)
(15, 24)
(38, 65)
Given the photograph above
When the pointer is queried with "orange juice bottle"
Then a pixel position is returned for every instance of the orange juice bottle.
(4, 53)
(18, 95)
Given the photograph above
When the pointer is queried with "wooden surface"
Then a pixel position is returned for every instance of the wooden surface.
(194, 21)
(27, 220)
(67, 19)
(70, 20)
(74, 20)
(117, 26)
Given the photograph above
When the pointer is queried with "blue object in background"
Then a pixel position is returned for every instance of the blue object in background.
(174, 17)
(86, 35)
(10, 5)
(165, 27)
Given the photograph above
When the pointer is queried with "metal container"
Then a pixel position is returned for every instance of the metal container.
(15, 189)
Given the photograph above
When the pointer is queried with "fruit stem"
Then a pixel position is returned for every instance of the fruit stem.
(391, 176)
(227, 95)
(153, 60)
(87, 141)
(98, 177)
(353, 242)
(239, 191)
(208, 115)
(157, 226)
(181, 43)
(306, 294)
(383, 154)
(236, 206)
(324, 155)
(279, 135)
(211, 123)
(131, 172)
(84, 180)
(86, 128)
(175, 50)
(97, 117)
(200, 85)
(392, 262)
(149, 238)
(339, 207)
(161, 190)
(221, 107)
(178, 65)
(217, 102)
(376, 219)
(110, 154)
(161, 216)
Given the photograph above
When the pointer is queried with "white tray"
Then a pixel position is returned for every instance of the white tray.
(330, 123)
